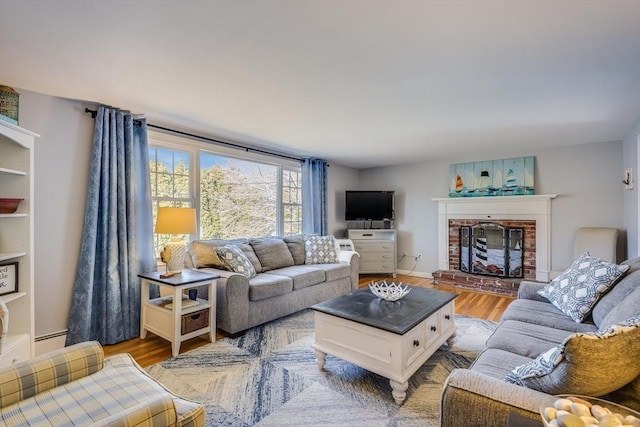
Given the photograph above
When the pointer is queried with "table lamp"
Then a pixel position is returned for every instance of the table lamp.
(175, 221)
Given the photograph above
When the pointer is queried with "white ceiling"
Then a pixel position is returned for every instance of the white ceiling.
(357, 82)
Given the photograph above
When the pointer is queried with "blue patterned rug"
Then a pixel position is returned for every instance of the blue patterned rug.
(269, 377)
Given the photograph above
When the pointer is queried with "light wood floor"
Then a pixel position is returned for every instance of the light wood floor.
(154, 349)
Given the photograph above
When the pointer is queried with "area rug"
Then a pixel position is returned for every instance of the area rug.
(269, 377)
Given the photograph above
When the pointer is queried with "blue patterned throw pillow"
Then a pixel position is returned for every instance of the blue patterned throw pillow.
(236, 260)
(538, 367)
(576, 291)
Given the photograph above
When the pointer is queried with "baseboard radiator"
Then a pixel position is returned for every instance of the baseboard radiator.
(49, 342)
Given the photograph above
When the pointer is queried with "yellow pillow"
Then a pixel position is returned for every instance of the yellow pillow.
(203, 253)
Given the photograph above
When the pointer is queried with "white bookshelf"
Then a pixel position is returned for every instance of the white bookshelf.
(16, 238)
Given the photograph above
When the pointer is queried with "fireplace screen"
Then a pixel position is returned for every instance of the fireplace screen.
(491, 249)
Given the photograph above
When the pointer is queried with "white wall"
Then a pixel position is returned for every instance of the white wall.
(62, 156)
(585, 177)
(630, 197)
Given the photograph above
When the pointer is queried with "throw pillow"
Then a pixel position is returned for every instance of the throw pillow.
(203, 253)
(272, 252)
(236, 260)
(578, 289)
(591, 364)
(320, 250)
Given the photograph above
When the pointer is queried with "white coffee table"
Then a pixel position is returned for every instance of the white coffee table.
(392, 339)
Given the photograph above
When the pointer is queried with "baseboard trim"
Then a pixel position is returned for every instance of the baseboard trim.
(415, 274)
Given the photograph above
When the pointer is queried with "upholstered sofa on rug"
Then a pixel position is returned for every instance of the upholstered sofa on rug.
(78, 386)
(266, 278)
(539, 350)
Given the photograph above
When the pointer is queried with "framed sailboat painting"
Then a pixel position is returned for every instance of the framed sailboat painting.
(504, 177)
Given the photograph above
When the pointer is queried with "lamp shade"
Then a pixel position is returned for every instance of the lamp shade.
(176, 221)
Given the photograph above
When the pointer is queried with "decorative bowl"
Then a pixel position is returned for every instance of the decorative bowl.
(599, 411)
(8, 206)
(389, 291)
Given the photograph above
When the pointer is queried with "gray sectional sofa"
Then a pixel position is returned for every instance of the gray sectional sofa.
(530, 329)
(291, 273)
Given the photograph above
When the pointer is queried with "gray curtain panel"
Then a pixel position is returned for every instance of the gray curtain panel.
(117, 237)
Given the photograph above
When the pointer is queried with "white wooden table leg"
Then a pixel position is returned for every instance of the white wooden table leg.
(177, 320)
(399, 392)
(321, 359)
(212, 312)
(144, 298)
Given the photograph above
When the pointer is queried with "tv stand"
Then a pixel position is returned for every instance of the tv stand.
(377, 249)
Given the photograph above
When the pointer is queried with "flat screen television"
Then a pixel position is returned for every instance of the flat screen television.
(368, 205)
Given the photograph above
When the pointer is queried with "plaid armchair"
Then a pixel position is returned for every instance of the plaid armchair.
(77, 386)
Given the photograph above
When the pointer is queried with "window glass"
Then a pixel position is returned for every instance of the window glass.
(237, 198)
(292, 202)
(170, 172)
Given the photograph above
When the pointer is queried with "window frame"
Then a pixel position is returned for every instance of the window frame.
(195, 147)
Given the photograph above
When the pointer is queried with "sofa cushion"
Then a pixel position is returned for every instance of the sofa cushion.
(267, 285)
(334, 271)
(302, 276)
(247, 249)
(619, 293)
(320, 250)
(296, 247)
(497, 363)
(203, 253)
(591, 364)
(526, 339)
(272, 252)
(236, 260)
(544, 314)
(577, 290)
(626, 308)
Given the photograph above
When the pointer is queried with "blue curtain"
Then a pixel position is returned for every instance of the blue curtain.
(117, 238)
(314, 196)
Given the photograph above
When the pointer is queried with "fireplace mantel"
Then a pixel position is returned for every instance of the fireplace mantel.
(536, 208)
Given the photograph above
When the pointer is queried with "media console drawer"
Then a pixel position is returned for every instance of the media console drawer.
(377, 249)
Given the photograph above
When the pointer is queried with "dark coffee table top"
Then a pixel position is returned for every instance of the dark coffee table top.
(398, 317)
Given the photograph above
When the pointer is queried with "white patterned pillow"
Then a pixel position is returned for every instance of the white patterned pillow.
(576, 291)
(320, 250)
(591, 364)
(236, 260)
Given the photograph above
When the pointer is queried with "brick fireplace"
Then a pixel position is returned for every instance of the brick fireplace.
(531, 213)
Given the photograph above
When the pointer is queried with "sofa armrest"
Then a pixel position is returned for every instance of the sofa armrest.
(529, 290)
(33, 376)
(353, 259)
(472, 399)
(157, 411)
(232, 300)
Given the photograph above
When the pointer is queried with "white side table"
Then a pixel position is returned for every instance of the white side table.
(174, 318)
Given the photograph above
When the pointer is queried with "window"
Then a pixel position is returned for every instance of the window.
(292, 202)
(170, 172)
(235, 197)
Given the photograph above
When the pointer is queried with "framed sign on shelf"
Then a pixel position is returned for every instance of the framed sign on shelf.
(8, 278)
